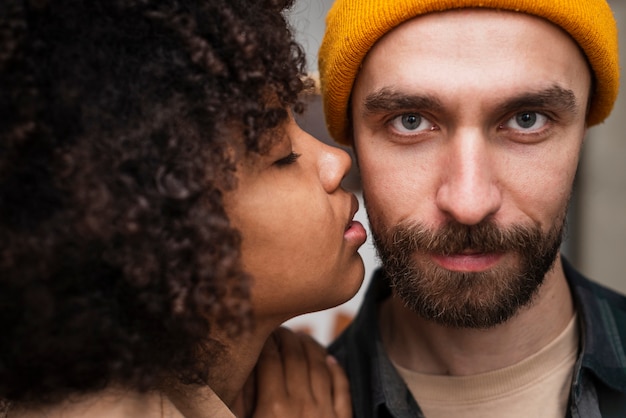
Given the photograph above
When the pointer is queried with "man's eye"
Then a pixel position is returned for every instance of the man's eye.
(527, 121)
(410, 123)
(289, 159)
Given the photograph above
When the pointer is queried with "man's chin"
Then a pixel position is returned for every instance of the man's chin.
(467, 299)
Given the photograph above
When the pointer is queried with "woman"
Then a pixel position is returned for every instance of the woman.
(161, 213)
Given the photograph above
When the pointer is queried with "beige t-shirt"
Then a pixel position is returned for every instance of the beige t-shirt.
(537, 386)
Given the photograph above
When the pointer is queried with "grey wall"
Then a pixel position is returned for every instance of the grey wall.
(601, 247)
(307, 18)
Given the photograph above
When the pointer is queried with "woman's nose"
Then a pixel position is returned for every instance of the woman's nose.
(333, 164)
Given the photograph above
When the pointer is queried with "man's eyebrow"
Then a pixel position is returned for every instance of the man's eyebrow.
(553, 98)
(387, 100)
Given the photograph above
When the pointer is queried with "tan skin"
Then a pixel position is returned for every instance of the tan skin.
(313, 384)
(300, 243)
(470, 160)
(293, 376)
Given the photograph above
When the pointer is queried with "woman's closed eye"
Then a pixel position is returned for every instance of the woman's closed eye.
(291, 158)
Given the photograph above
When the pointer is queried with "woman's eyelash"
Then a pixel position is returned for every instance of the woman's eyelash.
(289, 159)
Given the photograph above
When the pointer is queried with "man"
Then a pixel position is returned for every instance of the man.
(467, 119)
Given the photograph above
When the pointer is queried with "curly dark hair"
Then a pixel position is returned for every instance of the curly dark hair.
(117, 123)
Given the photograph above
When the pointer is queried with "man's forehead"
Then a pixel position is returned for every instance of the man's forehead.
(435, 25)
(434, 62)
(461, 41)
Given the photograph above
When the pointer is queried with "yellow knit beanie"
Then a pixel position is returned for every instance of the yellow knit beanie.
(354, 26)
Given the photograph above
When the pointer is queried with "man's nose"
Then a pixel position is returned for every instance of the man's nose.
(469, 191)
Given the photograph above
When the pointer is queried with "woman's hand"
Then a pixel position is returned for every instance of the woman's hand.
(295, 377)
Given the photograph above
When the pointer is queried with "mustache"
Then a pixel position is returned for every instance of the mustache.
(453, 238)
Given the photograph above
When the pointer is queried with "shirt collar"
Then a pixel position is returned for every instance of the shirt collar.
(602, 315)
(389, 394)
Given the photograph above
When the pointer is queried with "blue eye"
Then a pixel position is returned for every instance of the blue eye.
(289, 159)
(527, 121)
(410, 123)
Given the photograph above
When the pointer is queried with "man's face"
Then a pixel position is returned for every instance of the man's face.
(468, 127)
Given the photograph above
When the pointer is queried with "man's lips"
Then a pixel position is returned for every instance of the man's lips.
(467, 261)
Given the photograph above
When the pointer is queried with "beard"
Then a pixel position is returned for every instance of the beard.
(467, 299)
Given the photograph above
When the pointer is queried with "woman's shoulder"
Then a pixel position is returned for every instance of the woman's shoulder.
(109, 403)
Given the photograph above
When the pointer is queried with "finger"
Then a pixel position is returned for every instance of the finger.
(238, 407)
(270, 373)
(319, 373)
(342, 400)
(246, 401)
(295, 363)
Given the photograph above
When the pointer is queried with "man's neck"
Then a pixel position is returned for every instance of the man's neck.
(427, 347)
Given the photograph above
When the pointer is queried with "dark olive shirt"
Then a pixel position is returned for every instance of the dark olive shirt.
(598, 387)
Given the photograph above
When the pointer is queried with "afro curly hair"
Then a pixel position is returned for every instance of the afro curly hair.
(117, 119)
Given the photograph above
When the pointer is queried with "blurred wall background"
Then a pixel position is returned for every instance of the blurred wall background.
(596, 239)
(601, 222)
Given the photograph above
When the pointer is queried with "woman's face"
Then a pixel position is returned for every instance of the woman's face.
(299, 240)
